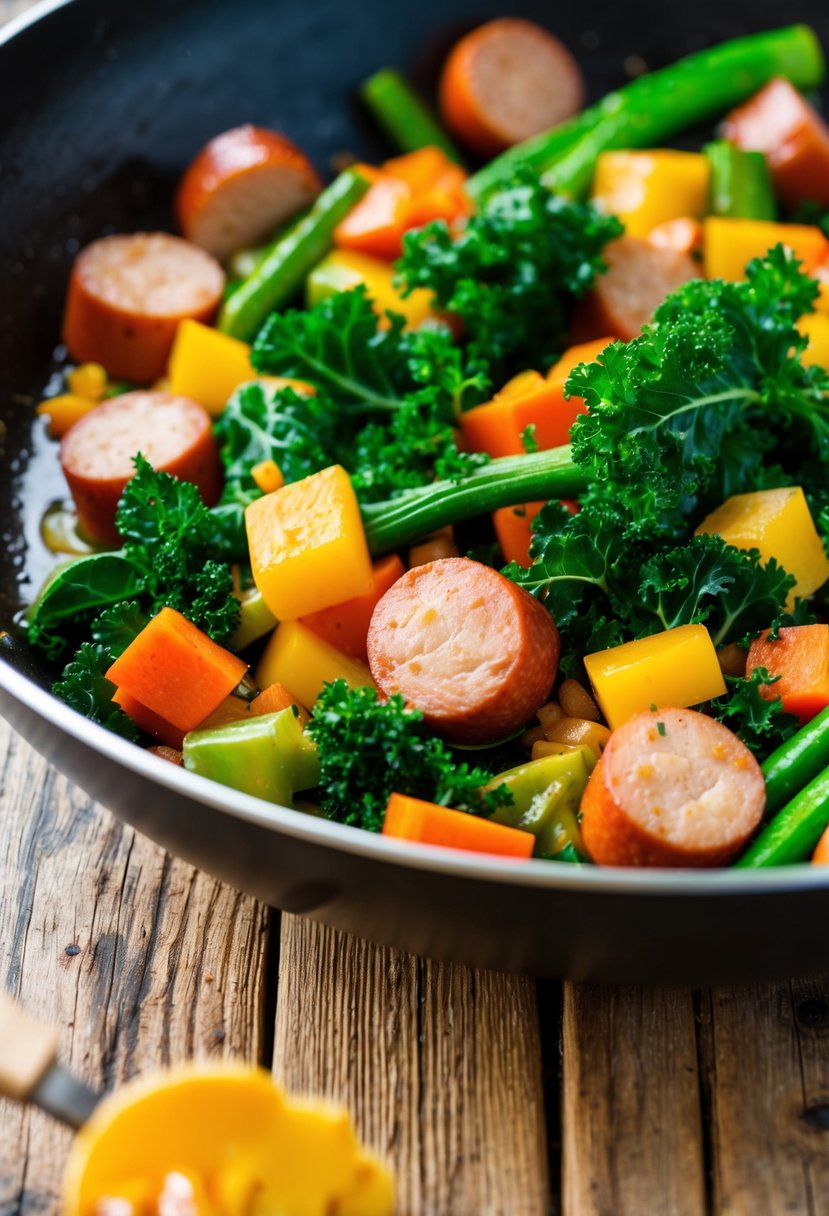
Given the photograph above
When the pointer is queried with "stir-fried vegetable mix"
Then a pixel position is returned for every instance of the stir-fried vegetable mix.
(596, 431)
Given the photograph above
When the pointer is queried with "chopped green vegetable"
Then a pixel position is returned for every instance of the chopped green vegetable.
(280, 274)
(85, 688)
(267, 755)
(797, 761)
(741, 184)
(794, 832)
(759, 721)
(512, 273)
(370, 749)
(403, 116)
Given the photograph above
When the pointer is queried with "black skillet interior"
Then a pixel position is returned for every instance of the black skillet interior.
(103, 103)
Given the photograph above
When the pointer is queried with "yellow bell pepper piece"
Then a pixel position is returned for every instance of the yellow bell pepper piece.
(815, 326)
(303, 662)
(230, 1131)
(648, 188)
(779, 524)
(345, 269)
(730, 244)
(677, 668)
(208, 366)
(64, 411)
(307, 545)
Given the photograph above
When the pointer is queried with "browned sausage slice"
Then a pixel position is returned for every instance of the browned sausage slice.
(127, 295)
(639, 277)
(173, 433)
(241, 186)
(460, 642)
(673, 788)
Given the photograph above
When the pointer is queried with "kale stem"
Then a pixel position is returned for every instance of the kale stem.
(506, 482)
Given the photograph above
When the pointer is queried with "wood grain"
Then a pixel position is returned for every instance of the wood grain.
(137, 958)
(440, 1065)
(765, 1051)
(632, 1133)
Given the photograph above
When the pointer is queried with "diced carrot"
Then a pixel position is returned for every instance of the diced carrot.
(427, 823)
(529, 400)
(512, 527)
(820, 857)
(176, 671)
(683, 234)
(800, 657)
(345, 626)
(274, 698)
(375, 224)
(434, 548)
(148, 721)
(171, 754)
(231, 709)
(268, 476)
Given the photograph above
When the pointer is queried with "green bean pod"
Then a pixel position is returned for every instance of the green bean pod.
(403, 116)
(794, 832)
(797, 762)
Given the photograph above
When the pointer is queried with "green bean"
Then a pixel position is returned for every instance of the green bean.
(660, 104)
(246, 262)
(797, 762)
(281, 273)
(403, 116)
(793, 833)
(740, 182)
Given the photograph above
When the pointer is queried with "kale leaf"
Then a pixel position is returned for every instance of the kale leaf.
(512, 273)
(85, 688)
(370, 749)
(760, 721)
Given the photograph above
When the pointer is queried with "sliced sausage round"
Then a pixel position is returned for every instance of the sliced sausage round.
(471, 650)
(127, 295)
(673, 788)
(505, 81)
(173, 433)
(241, 186)
(639, 277)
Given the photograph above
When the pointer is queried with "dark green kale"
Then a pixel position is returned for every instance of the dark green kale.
(85, 688)
(513, 272)
(370, 749)
(116, 628)
(760, 721)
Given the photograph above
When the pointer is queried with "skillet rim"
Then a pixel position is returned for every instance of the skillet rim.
(350, 840)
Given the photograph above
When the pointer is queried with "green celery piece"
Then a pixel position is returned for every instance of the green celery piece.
(546, 796)
(267, 755)
(659, 105)
(740, 183)
(280, 275)
(403, 116)
(255, 620)
(793, 834)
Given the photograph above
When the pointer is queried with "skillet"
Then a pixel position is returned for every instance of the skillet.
(102, 104)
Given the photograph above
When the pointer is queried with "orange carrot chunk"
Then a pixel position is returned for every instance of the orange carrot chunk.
(514, 531)
(151, 723)
(345, 626)
(820, 857)
(800, 657)
(176, 671)
(426, 823)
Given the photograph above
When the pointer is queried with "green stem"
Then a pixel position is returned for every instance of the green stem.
(659, 105)
(740, 183)
(796, 762)
(794, 832)
(506, 482)
(403, 116)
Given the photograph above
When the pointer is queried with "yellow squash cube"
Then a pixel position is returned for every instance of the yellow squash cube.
(730, 244)
(301, 661)
(780, 525)
(815, 326)
(208, 366)
(674, 669)
(344, 269)
(647, 188)
(307, 545)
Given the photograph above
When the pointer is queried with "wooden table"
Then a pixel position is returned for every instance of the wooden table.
(490, 1094)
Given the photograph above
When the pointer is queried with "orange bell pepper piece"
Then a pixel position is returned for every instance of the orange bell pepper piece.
(427, 823)
(176, 671)
(345, 626)
(800, 657)
(529, 399)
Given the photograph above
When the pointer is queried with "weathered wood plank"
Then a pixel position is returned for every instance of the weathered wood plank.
(440, 1065)
(632, 1133)
(139, 959)
(766, 1064)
